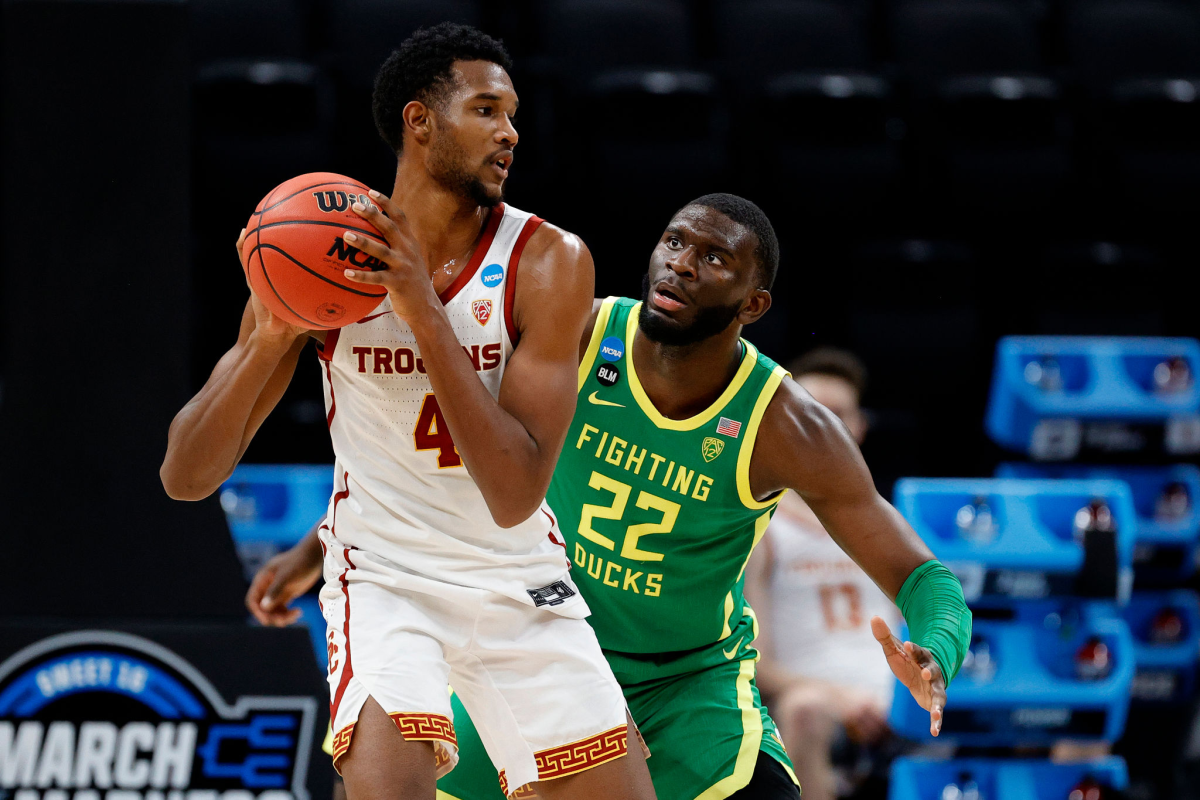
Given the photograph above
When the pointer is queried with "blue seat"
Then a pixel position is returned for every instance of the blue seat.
(1029, 693)
(1166, 666)
(1166, 542)
(1030, 548)
(917, 778)
(1059, 397)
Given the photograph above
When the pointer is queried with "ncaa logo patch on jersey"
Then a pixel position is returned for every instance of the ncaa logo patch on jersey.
(492, 275)
(482, 309)
(612, 348)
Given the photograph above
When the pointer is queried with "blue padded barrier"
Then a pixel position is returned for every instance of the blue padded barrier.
(914, 778)
(276, 503)
(1033, 552)
(1167, 538)
(1027, 690)
(1166, 663)
(1060, 397)
(269, 508)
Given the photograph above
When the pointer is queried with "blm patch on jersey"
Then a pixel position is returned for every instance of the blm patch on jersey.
(553, 595)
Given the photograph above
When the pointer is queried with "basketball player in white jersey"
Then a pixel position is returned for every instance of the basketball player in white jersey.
(819, 657)
(447, 407)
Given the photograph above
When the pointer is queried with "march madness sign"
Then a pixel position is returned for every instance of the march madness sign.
(111, 715)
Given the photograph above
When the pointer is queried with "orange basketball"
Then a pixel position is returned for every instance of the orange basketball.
(295, 255)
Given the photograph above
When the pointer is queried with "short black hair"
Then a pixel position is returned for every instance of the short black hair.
(750, 216)
(835, 362)
(422, 69)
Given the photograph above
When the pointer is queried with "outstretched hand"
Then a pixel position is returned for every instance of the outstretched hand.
(914, 666)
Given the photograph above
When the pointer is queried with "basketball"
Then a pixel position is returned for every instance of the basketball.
(295, 257)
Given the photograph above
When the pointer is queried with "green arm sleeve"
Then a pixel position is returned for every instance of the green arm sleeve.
(932, 603)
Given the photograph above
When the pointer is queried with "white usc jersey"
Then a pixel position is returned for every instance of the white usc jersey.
(402, 495)
(824, 603)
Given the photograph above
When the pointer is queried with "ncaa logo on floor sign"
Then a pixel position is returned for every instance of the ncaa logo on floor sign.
(90, 709)
(492, 275)
(612, 348)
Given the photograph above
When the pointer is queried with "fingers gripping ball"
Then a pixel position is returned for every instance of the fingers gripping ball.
(296, 258)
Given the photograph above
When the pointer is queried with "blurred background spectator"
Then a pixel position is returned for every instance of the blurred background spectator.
(821, 672)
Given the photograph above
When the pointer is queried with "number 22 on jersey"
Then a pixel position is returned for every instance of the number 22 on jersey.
(432, 433)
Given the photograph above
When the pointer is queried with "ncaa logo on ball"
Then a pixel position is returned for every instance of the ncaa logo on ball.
(492, 275)
(612, 348)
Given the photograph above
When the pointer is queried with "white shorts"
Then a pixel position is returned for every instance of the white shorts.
(536, 684)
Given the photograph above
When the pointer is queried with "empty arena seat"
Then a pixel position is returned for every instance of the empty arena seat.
(760, 38)
(1139, 61)
(938, 39)
(629, 102)
(1110, 41)
(247, 29)
(262, 110)
(584, 37)
(359, 35)
(812, 110)
(988, 115)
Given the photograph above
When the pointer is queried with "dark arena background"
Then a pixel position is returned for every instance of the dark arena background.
(957, 185)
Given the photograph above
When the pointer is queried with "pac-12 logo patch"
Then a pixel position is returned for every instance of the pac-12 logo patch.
(492, 275)
(90, 710)
(482, 309)
(612, 348)
(711, 447)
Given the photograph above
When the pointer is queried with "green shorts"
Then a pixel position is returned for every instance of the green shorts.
(704, 729)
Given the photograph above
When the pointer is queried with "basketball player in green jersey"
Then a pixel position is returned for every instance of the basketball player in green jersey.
(683, 441)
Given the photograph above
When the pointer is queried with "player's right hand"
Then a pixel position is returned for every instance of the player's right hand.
(265, 322)
(280, 581)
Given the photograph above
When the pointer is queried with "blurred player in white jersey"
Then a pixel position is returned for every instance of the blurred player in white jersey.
(447, 407)
(814, 607)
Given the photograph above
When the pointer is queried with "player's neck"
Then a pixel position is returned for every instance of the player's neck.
(682, 381)
(444, 224)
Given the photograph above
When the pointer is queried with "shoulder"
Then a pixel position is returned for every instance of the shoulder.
(556, 281)
(800, 443)
(794, 415)
(556, 254)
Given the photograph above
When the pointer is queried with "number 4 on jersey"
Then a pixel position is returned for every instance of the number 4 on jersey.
(432, 433)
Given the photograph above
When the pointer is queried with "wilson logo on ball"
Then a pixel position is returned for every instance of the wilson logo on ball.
(330, 202)
(352, 255)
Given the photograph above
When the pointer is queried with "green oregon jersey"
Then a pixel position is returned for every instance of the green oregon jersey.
(657, 513)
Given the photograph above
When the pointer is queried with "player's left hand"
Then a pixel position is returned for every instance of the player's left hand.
(405, 276)
(916, 669)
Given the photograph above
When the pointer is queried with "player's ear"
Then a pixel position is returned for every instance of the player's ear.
(755, 306)
(418, 121)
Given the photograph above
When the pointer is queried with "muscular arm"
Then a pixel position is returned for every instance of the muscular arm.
(209, 434)
(802, 446)
(509, 444)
